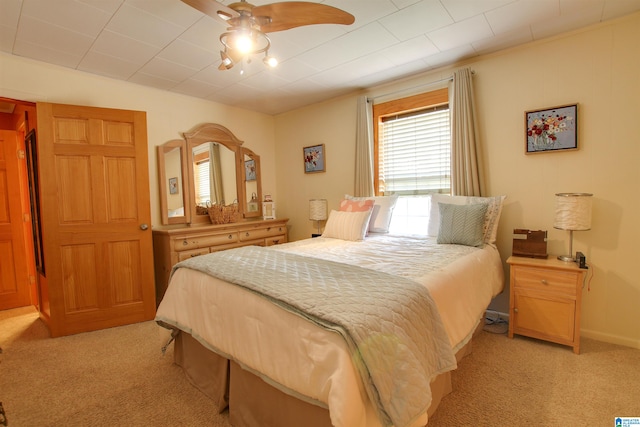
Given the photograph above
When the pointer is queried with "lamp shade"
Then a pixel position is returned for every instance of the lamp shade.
(318, 209)
(573, 211)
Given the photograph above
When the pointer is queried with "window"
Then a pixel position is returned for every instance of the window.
(412, 152)
(201, 178)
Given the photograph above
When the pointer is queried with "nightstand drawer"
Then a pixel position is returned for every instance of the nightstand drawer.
(545, 279)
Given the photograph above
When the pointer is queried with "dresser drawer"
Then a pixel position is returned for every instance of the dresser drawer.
(275, 240)
(545, 279)
(261, 233)
(194, 242)
(192, 253)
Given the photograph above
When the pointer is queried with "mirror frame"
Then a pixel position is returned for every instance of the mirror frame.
(162, 182)
(213, 132)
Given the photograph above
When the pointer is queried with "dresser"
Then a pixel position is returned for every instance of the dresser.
(545, 299)
(172, 244)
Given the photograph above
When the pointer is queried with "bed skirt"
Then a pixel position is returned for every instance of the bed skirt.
(251, 401)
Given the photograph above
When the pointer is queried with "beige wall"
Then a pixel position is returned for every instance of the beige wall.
(168, 114)
(597, 68)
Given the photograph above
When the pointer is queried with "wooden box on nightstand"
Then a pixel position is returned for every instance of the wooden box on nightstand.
(545, 299)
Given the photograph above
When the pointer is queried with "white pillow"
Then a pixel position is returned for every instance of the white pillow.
(492, 217)
(382, 211)
(347, 225)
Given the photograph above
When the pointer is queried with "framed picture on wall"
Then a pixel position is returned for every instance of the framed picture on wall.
(314, 158)
(551, 129)
(173, 185)
(250, 170)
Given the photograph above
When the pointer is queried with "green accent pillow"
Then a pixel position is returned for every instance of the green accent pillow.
(462, 224)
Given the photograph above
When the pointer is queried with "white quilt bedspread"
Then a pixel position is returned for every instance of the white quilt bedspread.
(304, 359)
(462, 279)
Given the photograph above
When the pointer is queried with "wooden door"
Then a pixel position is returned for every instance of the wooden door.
(14, 276)
(94, 188)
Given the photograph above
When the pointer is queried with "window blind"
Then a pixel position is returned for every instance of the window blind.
(415, 152)
(202, 182)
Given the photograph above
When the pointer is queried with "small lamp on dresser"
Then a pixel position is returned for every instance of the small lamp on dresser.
(573, 213)
(318, 211)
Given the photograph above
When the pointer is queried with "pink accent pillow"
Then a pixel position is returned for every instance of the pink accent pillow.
(356, 205)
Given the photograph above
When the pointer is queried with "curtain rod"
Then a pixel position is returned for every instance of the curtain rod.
(414, 87)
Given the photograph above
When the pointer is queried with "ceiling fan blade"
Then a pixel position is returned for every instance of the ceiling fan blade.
(213, 8)
(286, 15)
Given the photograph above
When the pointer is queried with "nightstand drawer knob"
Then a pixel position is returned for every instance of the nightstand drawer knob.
(544, 282)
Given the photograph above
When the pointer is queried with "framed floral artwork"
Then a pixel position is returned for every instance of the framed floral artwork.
(173, 185)
(250, 170)
(314, 159)
(551, 129)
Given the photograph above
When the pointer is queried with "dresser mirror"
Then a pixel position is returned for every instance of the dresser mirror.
(174, 193)
(252, 188)
(209, 166)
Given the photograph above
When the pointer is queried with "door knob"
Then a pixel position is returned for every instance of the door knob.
(144, 227)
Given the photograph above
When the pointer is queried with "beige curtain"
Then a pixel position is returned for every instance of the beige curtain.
(466, 167)
(364, 149)
(215, 174)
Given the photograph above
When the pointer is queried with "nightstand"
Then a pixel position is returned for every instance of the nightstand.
(545, 299)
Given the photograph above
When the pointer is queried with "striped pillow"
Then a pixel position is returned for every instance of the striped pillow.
(462, 224)
(347, 225)
(491, 219)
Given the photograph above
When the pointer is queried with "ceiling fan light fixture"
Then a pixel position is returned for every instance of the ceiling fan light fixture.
(227, 62)
(243, 41)
(248, 24)
(270, 61)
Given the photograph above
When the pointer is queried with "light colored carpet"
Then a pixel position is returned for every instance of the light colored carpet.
(118, 377)
(113, 377)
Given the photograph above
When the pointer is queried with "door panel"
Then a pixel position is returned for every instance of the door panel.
(80, 282)
(75, 189)
(14, 276)
(95, 199)
(126, 277)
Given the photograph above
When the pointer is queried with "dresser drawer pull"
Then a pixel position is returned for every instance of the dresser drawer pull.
(230, 236)
(544, 282)
(276, 241)
(246, 234)
(515, 310)
(184, 242)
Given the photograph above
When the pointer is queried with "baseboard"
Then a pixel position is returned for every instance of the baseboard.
(612, 339)
(586, 333)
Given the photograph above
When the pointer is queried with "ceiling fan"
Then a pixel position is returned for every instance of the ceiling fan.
(248, 25)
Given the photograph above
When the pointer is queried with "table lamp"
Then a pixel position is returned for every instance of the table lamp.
(318, 211)
(573, 213)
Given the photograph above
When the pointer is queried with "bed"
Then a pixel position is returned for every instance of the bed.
(265, 350)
